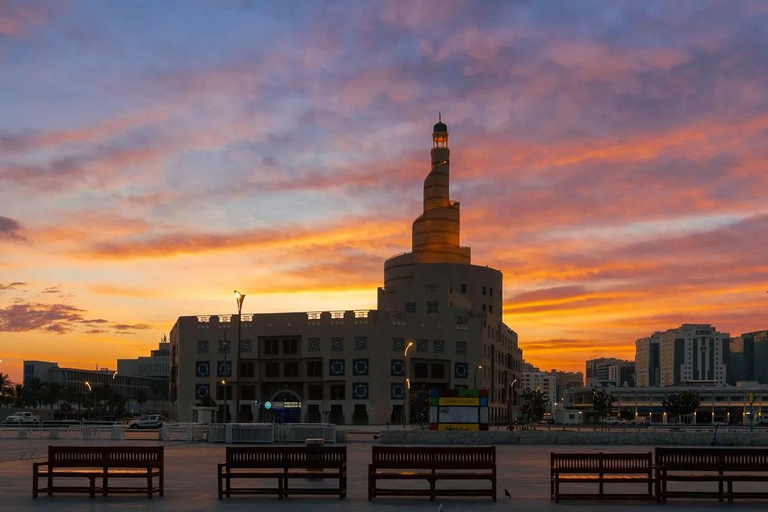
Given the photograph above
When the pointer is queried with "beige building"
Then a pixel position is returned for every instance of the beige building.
(351, 366)
(693, 353)
(546, 382)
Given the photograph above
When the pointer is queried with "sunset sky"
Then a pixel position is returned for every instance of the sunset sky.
(611, 158)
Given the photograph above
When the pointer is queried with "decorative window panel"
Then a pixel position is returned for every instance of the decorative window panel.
(313, 345)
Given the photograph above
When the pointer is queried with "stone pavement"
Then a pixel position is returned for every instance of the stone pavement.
(191, 486)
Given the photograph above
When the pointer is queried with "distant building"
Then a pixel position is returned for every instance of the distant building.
(610, 372)
(541, 381)
(693, 352)
(155, 365)
(647, 370)
(748, 358)
(128, 387)
(719, 404)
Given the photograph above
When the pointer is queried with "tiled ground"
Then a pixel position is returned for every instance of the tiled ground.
(191, 485)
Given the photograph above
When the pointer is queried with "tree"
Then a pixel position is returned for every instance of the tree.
(602, 403)
(51, 393)
(158, 390)
(6, 389)
(534, 405)
(18, 396)
(682, 404)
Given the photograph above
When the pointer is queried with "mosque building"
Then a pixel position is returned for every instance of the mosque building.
(438, 325)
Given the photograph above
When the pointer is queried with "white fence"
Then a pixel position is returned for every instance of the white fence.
(184, 432)
(300, 432)
(77, 433)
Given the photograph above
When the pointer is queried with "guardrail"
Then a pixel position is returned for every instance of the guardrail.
(300, 432)
(76, 432)
(184, 432)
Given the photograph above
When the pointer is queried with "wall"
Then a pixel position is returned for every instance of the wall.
(584, 437)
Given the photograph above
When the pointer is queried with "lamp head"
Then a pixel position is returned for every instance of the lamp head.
(239, 297)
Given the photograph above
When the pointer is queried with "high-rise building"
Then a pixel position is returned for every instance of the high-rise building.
(748, 358)
(352, 366)
(610, 372)
(545, 382)
(647, 361)
(693, 353)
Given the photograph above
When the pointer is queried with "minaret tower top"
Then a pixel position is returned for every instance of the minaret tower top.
(440, 133)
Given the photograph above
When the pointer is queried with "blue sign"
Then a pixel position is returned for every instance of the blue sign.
(267, 405)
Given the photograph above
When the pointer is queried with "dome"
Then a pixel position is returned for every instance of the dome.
(440, 127)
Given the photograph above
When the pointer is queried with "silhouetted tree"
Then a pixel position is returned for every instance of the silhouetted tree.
(682, 404)
(6, 389)
(602, 403)
(534, 405)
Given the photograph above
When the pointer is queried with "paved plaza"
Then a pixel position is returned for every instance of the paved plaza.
(191, 485)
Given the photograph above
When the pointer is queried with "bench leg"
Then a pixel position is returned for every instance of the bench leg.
(282, 488)
(50, 484)
(730, 492)
(162, 482)
(35, 484)
(432, 487)
(92, 488)
(105, 484)
(493, 486)
(229, 486)
(149, 485)
(557, 490)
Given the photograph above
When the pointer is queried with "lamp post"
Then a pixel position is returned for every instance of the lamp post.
(225, 416)
(509, 408)
(406, 383)
(474, 379)
(93, 399)
(239, 298)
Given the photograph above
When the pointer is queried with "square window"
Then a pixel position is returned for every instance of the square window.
(398, 344)
(461, 348)
(360, 391)
(337, 344)
(315, 391)
(249, 393)
(438, 371)
(397, 391)
(224, 369)
(460, 370)
(246, 369)
(246, 346)
(271, 346)
(202, 347)
(313, 345)
(361, 342)
(290, 346)
(314, 368)
(422, 345)
(438, 346)
(203, 369)
(360, 367)
(397, 368)
(463, 288)
(202, 390)
(433, 307)
(421, 370)
(336, 367)
(337, 391)
(410, 307)
(224, 347)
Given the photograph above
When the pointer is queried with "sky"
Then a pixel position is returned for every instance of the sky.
(611, 158)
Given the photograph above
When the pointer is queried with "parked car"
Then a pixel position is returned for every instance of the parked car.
(147, 421)
(23, 418)
(762, 421)
(613, 420)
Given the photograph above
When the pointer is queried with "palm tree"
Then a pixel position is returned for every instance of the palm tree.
(18, 396)
(6, 389)
(141, 399)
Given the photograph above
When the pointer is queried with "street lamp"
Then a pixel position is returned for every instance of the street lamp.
(509, 407)
(93, 398)
(225, 416)
(239, 298)
(474, 380)
(406, 382)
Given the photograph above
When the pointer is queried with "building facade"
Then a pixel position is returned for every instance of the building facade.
(719, 404)
(691, 353)
(748, 358)
(647, 370)
(438, 325)
(155, 365)
(610, 372)
(133, 389)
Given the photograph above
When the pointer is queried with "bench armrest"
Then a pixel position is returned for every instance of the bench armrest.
(37, 465)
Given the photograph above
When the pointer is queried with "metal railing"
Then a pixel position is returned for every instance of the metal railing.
(300, 432)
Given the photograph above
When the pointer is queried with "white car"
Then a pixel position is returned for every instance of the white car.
(26, 418)
(612, 420)
(147, 421)
(762, 421)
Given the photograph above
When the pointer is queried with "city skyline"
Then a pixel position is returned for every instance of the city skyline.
(610, 161)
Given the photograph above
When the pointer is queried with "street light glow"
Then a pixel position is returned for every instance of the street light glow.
(89, 386)
(410, 344)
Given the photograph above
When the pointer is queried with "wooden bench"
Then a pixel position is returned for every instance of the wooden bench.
(723, 466)
(432, 464)
(601, 468)
(102, 463)
(283, 463)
